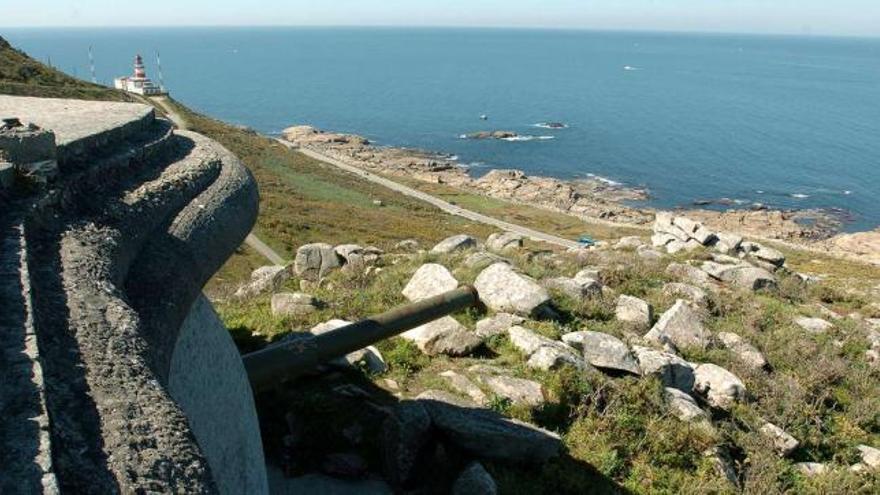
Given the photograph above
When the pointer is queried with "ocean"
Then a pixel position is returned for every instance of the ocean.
(789, 122)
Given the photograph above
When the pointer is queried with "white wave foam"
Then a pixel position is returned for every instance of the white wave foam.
(604, 180)
(847, 193)
(631, 68)
(547, 125)
(514, 139)
(800, 196)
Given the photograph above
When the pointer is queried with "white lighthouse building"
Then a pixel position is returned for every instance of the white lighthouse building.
(139, 83)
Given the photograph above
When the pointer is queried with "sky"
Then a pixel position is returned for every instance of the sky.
(820, 17)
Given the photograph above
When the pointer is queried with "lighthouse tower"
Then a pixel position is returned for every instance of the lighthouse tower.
(138, 83)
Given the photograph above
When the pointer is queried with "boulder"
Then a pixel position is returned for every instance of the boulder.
(474, 480)
(465, 386)
(681, 326)
(497, 325)
(661, 240)
(588, 275)
(744, 352)
(527, 341)
(690, 293)
(444, 336)
(870, 456)
(813, 325)
(603, 351)
(264, 279)
(292, 304)
(328, 326)
(350, 253)
(783, 443)
(723, 464)
(811, 469)
(488, 435)
(690, 274)
(314, 261)
(454, 243)
(504, 241)
(482, 259)
(704, 236)
(649, 254)
(687, 225)
(405, 433)
(634, 311)
(572, 288)
(672, 370)
(721, 388)
(683, 406)
(552, 358)
(429, 280)
(407, 245)
(368, 359)
(519, 391)
(504, 290)
(769, 255)
(663, 224)
(727, 243)
(630, 242)
(741, 276)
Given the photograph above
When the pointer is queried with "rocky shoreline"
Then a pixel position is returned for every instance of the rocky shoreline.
(591, 199)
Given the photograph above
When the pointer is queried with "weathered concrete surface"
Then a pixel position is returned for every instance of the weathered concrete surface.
(209, 382)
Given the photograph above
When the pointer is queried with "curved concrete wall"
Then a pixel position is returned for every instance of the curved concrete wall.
(207, 379)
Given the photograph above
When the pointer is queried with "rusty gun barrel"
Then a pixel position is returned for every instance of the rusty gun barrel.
(295, 356)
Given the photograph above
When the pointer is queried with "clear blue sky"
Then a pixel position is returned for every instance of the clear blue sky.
(848, 17)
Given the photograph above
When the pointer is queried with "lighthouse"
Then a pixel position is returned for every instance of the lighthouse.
(138, 83)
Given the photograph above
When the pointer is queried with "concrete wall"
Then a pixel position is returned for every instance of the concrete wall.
(208, 381)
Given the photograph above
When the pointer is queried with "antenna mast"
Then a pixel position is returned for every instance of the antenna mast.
(92, 65)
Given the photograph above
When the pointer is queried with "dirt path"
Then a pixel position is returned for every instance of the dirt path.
(439, 203)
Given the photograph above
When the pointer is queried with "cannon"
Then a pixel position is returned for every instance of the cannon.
(303, 353)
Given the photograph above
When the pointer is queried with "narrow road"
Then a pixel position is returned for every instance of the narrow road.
(253, 241)
(439, 203)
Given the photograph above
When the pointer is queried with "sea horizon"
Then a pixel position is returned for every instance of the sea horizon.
(781, 120)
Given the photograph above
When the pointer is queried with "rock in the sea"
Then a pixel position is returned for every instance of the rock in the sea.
(721, 388)
(672, 370)
(488, 435)
(517, 390)
(502, 242)
(690, 293)
(603, 351)
(492, 135)
(293, 304)
(744, 352)
(634, 311)
(405, 433)
(474, 480)
(465, 386)
(504, 290)
(264, 279)
(314, 261)
(681, 326)
(783, 442)
(683, 406)
(454, 243)
(497, 325)
(443, 336)
(813, 325)
(429, 280)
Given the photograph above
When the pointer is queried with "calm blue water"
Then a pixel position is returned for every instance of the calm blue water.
(790, 122)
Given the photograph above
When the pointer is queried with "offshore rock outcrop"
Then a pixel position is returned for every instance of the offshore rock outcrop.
(110, 256)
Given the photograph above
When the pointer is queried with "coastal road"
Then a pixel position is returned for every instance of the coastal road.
(251, 240)
(439, 203)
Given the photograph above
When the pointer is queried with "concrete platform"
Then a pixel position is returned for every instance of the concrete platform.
(79, 125)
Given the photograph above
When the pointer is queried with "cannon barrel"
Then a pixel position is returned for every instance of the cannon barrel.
(304, 352)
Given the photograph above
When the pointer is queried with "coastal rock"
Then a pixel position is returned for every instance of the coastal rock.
(314, 261)
(870, 456)
(588, 275)
(631, 242)
(767, 254)
(661, 240)
(474, 480)
(454, 243)
(723, 464)
(741, 276)
(264, 279)
(672, 370)
(813, 325)
(572, 288)
(690, 274)
(603, 351)
(863, 245)
(555, 357)
(783, 443)
(497, 325)
(444, 336)
(491, 135)
(429, 280)
(407, 245)
(634, 311)
(501, 242)
(504, 290)
(327, 326)
(721, 388)
(405, 433)
(683, 406)
(488, 435)
(727, 243)
(692, 294)
(745, 352)
(465, 386)
(368, 359)
(811, 469)
(681, 326)
(517, 390)
(527, 341)
(482, 259)
(292, 304)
